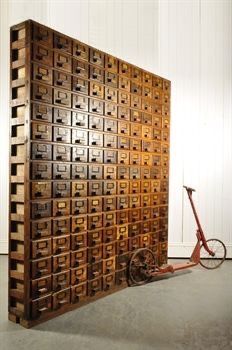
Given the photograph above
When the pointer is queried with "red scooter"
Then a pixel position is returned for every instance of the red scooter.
(209, 253)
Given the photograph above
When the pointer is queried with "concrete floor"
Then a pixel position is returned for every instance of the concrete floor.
(188, 310)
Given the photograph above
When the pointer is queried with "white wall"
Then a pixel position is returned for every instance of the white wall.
(188, 42)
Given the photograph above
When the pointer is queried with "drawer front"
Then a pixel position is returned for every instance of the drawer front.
(41, 306)
(145, 227)
(96, 106)
(95, 122)
(122, 261)
(108, 265)
(80, 50)
(80, 68)
(80, 137)
(80, 154)
(41, 267)
(111, 94)
(95, 155)
(123, 157)
(97, 74)
(110, 172)
(61, 171)
(111, 63)
(135, 158)
(110, 125)
(111, 79)
(61, 244)
(94, 238)
(108, 281)
(62, 116)
(124, 69)
(42, 93)
(63, 80)
(123, 113)
(94, 205)
(122, 202)
(94, 254)
(134, 173)
(61, 207)
(80, 102)
(123, 142)
(79, 189)
(135, 145)
(79, 292)
(79, 275)
(96, 57)
(41, 209)
(95, 188)
(80, 85)
(94, 287)
(94, 270)
(109, 188)
(110, 157)
(79, 224)
(96, 90)
(95, 172)
(61, 134)
(110, 141)
(61, 226)
(122, 217)
(124, 83)
(41, 229)
(62, 61)
(146, 200)
(134, 229)
(134, 215)
(41, 190)
(122, 246)
(42, 55)
(61, 262)
(109, 203)
(123, 172)
(109, 234)
(79, 258)
(109, 219)
(144, 241)
(135, 187)
(124, 98)
(42, 74)
(122, 231)
(146, 214)
(94, 221)
(79, 206)
(134, 243)
(41, 249)
(62, 153)
(60, 299)
(95, 139)
(62, 98)
(41, 171)
(79, 171)
(60, 281)
(42, 35)
(41, 112)
(62, 43)
(111, 109)
(121, 276)
(40, 287)
(41, 132)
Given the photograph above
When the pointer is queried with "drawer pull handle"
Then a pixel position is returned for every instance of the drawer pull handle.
(42, 309)
(38, 194)
(39, 76)
(43, 290)
(61, 265)
(59, 64)
(94, 76)
(42, 271)
(39, 56)
(61, 302)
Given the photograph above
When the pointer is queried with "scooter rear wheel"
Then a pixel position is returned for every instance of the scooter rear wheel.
(141, 265)
(213, 262)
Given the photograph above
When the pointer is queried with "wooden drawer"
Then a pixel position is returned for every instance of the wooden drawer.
(124, 83)
(123, 172)
(79, 292)
(137, 90)
(41, 112)
(60, 281)
(147, 119)
(94, 221)
(145, 227)
(60, 299)
(79, 206)
(78, 241)
(111, 109)
(61, 244)
(111, 79)
(122, 261)
(40, 287)
(80, 102)
(94, 270)
(61, 134)
(42, 74)
(61, 226)
(136, 101)
(155, 186)
(124, 128)
(111, 94)
(124, 69)
(135, 158)
(41, 267)
(62, 98)
(41, 229)
(156, 121)
(123, 157)
(134, 215)
(96, 74)
(61, 262)
(155, 199)
(42, 35)
(95, 139)
(95, 155)
(134, 243)
(136, 116)
(144, 241)
(41, 209)
(147, 92)
(164, 211)
(62, 61)
(80, 50)
(41, 171)
(61, 42)
(79, 258)
(157, 95)
(122, 230)
(96, 57)
(95, 172)
(79, 171)
(109, 188)
(155, 173)
(147, 132)
(42, 55)
(80, 137)
(109, 234)
(41, 190)
(94, 254)
(61, 171)
(145, 172)
(108, 250)
(79, 224)
(134, 229)
(41, 306)
(62, 116)
(136, 130)
(61, 207)
(95, 188)
(62, 153)
(79, 275)
(123, 142)
(94, 287)
(110, 141)
(81, 68)
(41, 248)
(122, 202)
(94, 205)
(124, 98)
(110, 172)
(136, 74)
(94, 238)
(146, 213)
(147, 146)
(154, 237)
(134, 201)
(79, 154)
(95, 122)
(156, 147)
(164, 186)
(122, 246)
(96, 90)
(42, 93)
(147, 159)
(155, 213)
(134, 173)
(108, 265)
(146, 78)
(145, 200)
(110, 156)
(108, 281)
(63, 80)
(109, 203)
(41, 132)
(163, 235)
(122, 217)
(80, 119)
(157, 82)
(110, 125)
(135, 144)
(121, 277)
(156, 160)
(123, 113)
(111, 63)
(146, 106)
(109, 219)
(79, 189)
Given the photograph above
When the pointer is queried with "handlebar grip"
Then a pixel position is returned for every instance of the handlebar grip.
(189, 189)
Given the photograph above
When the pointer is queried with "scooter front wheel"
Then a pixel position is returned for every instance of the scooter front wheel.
(213, 261)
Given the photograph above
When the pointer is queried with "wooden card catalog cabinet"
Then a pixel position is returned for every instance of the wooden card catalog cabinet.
(89, 171)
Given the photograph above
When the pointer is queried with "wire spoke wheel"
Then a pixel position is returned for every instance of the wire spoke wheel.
(213, 261)
(141, 265)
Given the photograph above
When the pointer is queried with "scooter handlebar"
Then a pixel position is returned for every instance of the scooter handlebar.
(189, 189)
